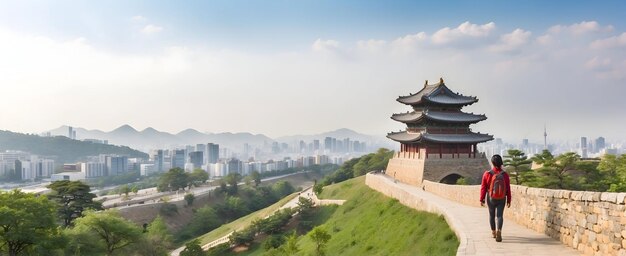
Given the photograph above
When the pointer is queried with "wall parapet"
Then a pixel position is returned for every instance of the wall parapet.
(591, 222)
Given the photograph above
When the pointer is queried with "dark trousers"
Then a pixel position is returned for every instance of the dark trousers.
(496, 209)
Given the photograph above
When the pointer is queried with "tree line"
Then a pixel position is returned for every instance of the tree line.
(69, 222)
(567, 171)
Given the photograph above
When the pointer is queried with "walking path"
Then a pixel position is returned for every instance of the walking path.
(472, 227)
(307, 193)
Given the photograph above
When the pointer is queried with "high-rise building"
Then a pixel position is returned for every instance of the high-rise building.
(213, 153)
(158, 161)
(316, 144)
(93, 169)
(178, 158)
(202, 148)
(235, 166)
(195, 158)
(116, 165)
(600, 144)
(328, 143)
(583, 147)
(71, 133)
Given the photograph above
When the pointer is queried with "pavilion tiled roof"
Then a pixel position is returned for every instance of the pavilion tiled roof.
(445, 116)
(471, 137)
(437, 93)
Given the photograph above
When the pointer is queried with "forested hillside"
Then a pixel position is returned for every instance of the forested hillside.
(62, 148)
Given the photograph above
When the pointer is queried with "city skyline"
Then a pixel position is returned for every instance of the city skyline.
(303, 68)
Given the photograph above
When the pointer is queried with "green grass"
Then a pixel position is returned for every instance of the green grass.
(370, 223)
(243, 221)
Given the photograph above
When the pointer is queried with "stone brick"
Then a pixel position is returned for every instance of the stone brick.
(621, 198)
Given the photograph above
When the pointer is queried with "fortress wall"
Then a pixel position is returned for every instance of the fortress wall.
(591, 222)
(438, 168)
(406, 169)
(380, 184)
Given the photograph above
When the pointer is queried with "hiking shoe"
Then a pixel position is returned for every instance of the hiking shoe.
(493, 233)
(499, 236)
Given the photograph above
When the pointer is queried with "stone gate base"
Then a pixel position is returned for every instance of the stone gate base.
(413, 169)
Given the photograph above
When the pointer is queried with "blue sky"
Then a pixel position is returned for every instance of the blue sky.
(271, 25)
(294, 67)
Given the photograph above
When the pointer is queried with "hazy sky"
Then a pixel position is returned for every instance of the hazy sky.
(301, 67)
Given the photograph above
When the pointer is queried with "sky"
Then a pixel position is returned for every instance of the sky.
(304, 67)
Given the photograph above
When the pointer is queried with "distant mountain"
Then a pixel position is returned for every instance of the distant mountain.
(61, 148)
(151, 138)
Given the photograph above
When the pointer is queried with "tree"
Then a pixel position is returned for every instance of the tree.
(256, 176)
(25, 221)
(174, 179)
(613, 170)
(135, 189)
(291, 246)
(197, 177)
(124, 189)
(320, 236)
(520, 165)
(204, 220)
(113, 232)
(282, 188)
(318, 188)
(189, 199)
(232, 179)
(192, 248)
(72, 197)
(243, 237)
(305, 204)
(555, 172)
(157, 240)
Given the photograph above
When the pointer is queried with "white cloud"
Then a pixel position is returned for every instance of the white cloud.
(611, 42)
(371, 45)
(598, 64)
(581, 28)
(325, 45)
(511, 41)
(409, 42)
(151, 29)
(466, 29)
(139, 18)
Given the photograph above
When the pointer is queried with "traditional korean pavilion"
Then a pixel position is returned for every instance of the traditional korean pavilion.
(438, 128)
(437, 123)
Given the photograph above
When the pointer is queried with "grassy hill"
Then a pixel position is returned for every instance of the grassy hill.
(63, 149)
(369, 223)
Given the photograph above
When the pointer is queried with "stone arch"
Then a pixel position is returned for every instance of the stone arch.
(450, 178)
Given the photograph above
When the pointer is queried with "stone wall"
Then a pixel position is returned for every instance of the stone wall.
(591, 222)
(411, 169)
(408, 170)
(466, 246)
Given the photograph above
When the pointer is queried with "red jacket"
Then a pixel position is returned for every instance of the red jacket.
(484, 185)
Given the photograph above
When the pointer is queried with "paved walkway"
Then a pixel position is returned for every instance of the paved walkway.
(472, 226)
(307, 193)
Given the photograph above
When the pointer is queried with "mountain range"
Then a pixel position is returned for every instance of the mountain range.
(151, 138)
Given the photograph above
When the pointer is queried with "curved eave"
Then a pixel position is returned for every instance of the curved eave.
(446, 100)
(404, 136)
(457, 138)
(470, 138)
(414, 117)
